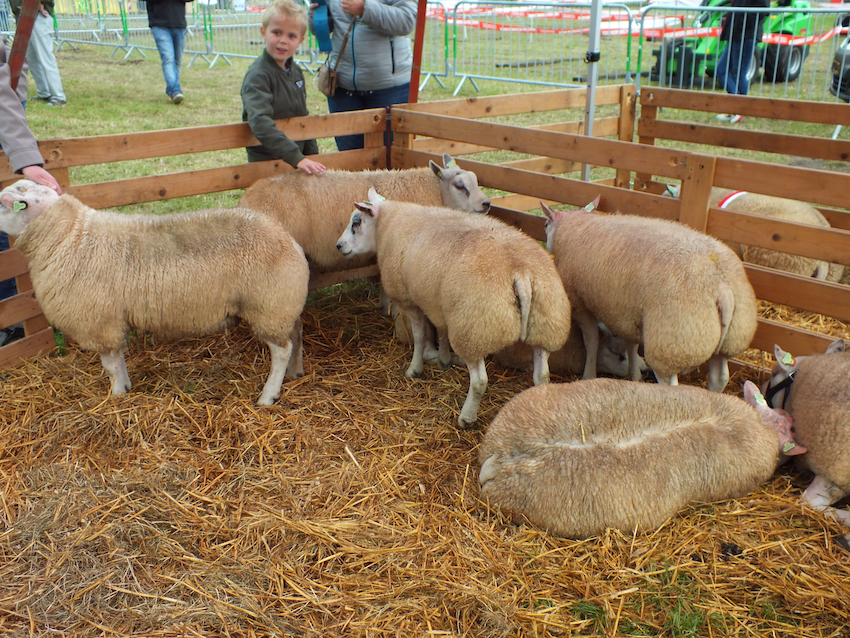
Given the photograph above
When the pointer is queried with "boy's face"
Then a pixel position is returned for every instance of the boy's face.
(283, 36)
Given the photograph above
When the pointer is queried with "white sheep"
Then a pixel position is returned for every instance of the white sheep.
(580, 457)
(99, 275)
(315, 209)
(816, 391)
(682, 294)
(776, 208)
(483, 284)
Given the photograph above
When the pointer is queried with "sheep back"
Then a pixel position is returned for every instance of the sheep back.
(655, 282)
(578, 458)
(99, 274)
(461, 271)
(820, 404)
(316, 209)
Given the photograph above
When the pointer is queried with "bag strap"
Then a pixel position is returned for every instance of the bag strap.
(344, 42)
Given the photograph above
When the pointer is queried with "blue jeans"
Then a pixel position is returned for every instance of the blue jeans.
(345, 100)
(7, 288)
(169, 42)
(733, 64)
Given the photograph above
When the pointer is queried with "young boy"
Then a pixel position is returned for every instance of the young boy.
(274, 88)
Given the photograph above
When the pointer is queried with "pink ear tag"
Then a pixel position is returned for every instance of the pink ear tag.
(788, 446)
(788, 360)
(19, 206)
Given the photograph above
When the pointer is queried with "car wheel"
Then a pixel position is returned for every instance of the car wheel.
(783, 63)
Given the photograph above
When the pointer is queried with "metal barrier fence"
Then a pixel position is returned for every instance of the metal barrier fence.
(794, 59)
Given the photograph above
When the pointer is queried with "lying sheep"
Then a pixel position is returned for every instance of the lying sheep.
(816, 391)
(776, 208)
(315, 209)
(581, 457)
(681, 293)
(99, 275)
(482, 283)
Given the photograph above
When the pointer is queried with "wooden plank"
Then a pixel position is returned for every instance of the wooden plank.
(598, 152)
(696, 189)
(836, 218)
(820, 148)
(519, 202)
(805, 293)
(513, 104)
(554, 188)
(212, 180)
(796, 340)
(794, 182)
(12, 264)
(626, 128)
(102, 149)
(41, 342)
(773, 108)
(544, 165)
(798, 239)
(532, 225)
(325, 279)
(18, 308)
(601, 128)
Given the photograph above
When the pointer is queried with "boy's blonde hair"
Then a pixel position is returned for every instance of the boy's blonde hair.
(291, 9)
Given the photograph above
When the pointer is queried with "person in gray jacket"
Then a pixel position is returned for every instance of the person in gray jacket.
(374, 68)
(21, 149)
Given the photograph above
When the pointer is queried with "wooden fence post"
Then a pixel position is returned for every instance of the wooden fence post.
(626, 132)
(649, 112)
(696, 189)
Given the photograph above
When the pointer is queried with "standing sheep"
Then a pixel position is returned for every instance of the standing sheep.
(483, 284)
(816, 391)
(99, 275)
(682, 294)
(581, 457)
(788, 210)
(315, 209)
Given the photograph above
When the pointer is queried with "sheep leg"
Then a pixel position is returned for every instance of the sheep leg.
(296, 362)
(385, 305)
(671, 380)
(821, 494)
(431, 352)
(280, 361)
(590, 334)
(634, 361)
(541, 366)
(444, 351)
(116, 367)
(417, 326)
(477, 387)
(718, 373)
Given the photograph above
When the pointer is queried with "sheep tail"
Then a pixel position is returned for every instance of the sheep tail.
(522, 290)
(725, 310)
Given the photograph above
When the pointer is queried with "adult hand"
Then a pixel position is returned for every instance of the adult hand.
(354, 7)
(42, 10)
(40, 176)
(311, 166)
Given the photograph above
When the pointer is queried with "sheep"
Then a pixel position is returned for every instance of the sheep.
(483, 284)
(814, 389)
(315, 209)
(777, 208)
(681, 293)
(580, 457)
(99, 275)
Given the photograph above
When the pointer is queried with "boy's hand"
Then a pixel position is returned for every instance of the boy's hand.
(310, 166)
(354, 7)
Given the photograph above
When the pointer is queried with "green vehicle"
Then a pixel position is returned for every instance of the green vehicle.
(689, 58)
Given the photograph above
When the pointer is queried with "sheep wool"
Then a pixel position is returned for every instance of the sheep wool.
(581, 457)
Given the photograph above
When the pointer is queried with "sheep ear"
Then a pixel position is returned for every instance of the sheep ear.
(11, 202)
(436, 169)
(365, 207)
(753, 396)
(594, 205)
(784, 359)
(449, 161)
(375, 197)
(836, 347)
(551, 215)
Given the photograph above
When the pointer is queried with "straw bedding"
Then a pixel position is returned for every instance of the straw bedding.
(349, 509)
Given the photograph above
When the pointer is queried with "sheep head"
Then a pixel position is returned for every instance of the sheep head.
(779, 419)
(22, 202)
(459, 188)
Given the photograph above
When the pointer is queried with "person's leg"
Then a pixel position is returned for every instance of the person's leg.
(7, 287)
(165, 46)
(748, 47)
(179, 39)
(731, 66)
(341, 102)
(41, 42)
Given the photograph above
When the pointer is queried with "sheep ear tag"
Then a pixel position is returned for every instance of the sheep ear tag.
(788, 446)
(590, 207)
(788, 360)
(451, 163)
(19, 206)
(760, 399)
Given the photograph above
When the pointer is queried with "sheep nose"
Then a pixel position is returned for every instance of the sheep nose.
(486, 206)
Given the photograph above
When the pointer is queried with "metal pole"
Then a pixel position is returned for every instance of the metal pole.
(592, 59)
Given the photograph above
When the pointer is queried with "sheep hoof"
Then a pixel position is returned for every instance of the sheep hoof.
(413, 373)
(464, 422)
(843, 541)
(264, 400)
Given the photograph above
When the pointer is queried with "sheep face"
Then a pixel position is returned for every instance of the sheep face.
(22, 202)
(779, 419)
(359, 236)
(459, 188)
